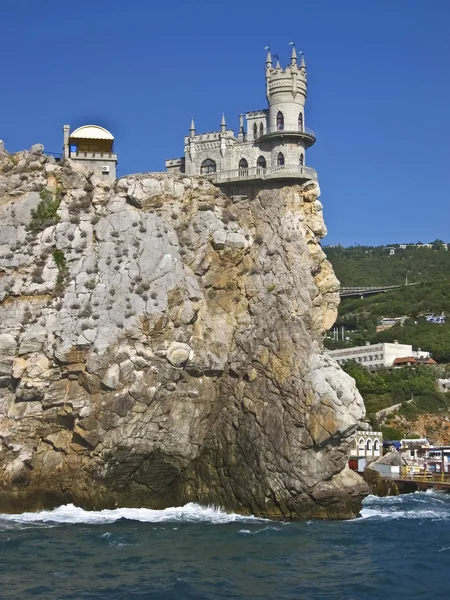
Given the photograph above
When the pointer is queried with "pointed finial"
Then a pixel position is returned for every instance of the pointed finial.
(302, 63)
(277, 66)
(223, 124)
(269, 57)
(192, 128)
(293, 54)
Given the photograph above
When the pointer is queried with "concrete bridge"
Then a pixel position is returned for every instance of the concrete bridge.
(360, 292)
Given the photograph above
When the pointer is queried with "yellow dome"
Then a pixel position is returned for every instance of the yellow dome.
(91, 132)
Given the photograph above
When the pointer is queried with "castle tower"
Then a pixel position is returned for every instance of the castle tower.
(286, 95)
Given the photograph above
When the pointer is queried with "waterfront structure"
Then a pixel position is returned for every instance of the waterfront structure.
(390, 465)
(376, 355)
(92, 146)
(271, 144)
(367, 446)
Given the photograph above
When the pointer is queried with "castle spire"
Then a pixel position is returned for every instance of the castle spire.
(269, 57)
(277, 66)
(303, 64)
(223, 124)
(192, 128)
(293, 54)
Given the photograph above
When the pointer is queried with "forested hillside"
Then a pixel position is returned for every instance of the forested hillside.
(360, 318)
(370, 266)
(423, 409)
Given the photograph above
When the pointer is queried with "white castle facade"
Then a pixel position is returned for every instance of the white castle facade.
(271, 145)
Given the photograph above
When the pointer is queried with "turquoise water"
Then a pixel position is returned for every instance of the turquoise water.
(399, 549)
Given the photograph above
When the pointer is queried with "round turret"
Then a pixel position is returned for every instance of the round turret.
(286, 94)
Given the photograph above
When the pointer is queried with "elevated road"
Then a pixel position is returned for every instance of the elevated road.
(360, 292)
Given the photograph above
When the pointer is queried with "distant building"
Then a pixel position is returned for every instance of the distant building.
(408, 361)
(92, 146)
(388, 322)
(376, 355)
(436, 319)
(405, 246)
(443, 385)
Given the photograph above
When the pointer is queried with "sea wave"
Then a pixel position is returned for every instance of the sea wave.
(70, 514)
(419, 505)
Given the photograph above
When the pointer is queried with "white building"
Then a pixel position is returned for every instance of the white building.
(444, 385)
(271, 145)
(92, 146)
(367, 446)
(376, 355)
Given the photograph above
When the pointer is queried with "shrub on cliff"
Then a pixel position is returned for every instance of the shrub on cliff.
(45, 214)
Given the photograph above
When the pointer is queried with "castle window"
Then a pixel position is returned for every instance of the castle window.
(300, 122)
(255, 131)
(302, 160)
(243, 164)
(280, 159)
(369, 445)
(280, 121)
(261, 162)
(208, 166)
(261, 130)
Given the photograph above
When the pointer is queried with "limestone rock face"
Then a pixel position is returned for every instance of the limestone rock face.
(161, 343)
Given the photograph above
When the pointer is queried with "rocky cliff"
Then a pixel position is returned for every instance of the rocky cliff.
(161, 343)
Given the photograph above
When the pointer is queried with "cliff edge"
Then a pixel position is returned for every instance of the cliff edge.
(161, 343)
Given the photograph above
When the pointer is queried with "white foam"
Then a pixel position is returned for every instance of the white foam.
(70, 514)
(407, 506)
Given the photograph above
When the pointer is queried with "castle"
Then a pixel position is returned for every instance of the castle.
(273, 143)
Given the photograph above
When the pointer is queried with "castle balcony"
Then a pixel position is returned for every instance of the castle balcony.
(306, 134)
(299, 172)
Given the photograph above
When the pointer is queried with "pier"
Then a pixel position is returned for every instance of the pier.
(415, 482)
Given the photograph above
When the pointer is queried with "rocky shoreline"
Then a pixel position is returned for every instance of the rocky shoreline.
(161, 343)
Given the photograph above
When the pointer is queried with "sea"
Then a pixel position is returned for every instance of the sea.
(399, 549)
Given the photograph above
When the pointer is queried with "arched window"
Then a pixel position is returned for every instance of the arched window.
(369, 445)
(261, 130)
(280, 159)
(302, 160)
(376, 446)
(255, 131)
(300, 122)
(243, 164)
(280, 121)
(208, 166)
(261, 162)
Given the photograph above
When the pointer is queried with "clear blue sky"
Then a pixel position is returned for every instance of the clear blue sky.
(379, 91)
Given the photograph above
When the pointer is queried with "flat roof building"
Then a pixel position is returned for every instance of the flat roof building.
(376, 355)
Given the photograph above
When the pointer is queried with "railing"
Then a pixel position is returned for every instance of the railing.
(286, 129)
(279, 172)
(97, 154)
